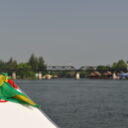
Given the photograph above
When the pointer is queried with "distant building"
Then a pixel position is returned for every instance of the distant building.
(61, 68)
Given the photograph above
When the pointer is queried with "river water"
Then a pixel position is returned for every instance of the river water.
(81, 103)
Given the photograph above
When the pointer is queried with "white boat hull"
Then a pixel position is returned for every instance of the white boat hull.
(14, 115)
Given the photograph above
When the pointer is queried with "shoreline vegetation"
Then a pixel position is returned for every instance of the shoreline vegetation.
(35, 68)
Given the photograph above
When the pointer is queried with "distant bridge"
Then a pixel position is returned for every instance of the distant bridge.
(68, 68)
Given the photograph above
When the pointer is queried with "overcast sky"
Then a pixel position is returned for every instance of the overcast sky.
(77, 32)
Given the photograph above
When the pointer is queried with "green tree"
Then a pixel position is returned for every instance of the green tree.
(37, 63)
(2, 66)
(102, 68)
(33, 62)
(119, 66)
(41, 64)
(10, 66)
(25, 71)
(83, 74)
(89, 70)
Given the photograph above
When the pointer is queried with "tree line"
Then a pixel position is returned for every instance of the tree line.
(116, 67)
(26, 69)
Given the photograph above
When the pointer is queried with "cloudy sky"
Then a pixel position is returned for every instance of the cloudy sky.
(77, 32)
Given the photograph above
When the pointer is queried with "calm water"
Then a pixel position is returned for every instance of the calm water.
(83, 103)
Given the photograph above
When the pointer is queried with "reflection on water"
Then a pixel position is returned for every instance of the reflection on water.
(81, 103)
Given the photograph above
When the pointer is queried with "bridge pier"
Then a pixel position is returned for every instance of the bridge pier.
(14, 75)
(77, 76)
(40, 76)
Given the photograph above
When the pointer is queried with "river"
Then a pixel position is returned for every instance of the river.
(81, 103)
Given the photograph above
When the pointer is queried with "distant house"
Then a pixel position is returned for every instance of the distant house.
(61, 68)
(94, 75)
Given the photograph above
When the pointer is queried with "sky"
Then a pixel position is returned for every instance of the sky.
(64, 32)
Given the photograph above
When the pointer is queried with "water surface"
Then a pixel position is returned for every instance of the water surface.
(81, 103)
